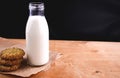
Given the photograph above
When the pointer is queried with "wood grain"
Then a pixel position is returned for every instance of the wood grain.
(81, 59)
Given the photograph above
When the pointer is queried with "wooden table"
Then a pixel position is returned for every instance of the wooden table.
(81, 59)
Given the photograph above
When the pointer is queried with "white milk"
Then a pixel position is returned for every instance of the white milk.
(37, 40)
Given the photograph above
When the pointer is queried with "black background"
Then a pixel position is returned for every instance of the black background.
(67, 19)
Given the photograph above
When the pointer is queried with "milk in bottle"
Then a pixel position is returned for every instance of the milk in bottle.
(37, 35)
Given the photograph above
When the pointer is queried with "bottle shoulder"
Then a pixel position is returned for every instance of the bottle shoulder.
(37, 18)
(37, 23)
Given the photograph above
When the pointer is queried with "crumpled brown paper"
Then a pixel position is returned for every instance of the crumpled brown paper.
(25, 70)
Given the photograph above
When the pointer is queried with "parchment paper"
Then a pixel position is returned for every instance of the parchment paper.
(25, 70)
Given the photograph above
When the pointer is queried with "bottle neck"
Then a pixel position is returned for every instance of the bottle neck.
(36, 8)
(36, 12)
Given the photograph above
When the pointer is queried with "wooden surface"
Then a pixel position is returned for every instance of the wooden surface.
(81, 59)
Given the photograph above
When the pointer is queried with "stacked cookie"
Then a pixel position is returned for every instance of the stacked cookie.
(11, 59)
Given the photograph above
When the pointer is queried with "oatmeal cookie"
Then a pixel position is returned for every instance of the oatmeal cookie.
(9, 62)
(9, 68)
(12, 53)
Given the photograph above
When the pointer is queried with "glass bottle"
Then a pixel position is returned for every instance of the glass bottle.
(37, 35)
